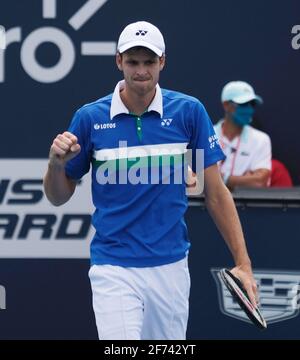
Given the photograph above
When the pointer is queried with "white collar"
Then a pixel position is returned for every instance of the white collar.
(117, 106)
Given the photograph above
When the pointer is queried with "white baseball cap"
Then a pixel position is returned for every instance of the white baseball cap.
(239, 92)
(141, 33)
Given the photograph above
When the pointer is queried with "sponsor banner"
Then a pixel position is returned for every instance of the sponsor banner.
(30, 227)
(64, 42)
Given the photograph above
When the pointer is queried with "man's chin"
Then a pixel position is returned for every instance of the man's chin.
(146, 83)
(143, 87)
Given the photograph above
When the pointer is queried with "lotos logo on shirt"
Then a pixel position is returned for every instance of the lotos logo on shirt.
(104, 126)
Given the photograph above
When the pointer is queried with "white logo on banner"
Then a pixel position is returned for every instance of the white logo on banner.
(30, 227)
(60, 39)
(278, 294)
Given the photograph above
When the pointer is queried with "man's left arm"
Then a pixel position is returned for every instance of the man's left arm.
(222, 209)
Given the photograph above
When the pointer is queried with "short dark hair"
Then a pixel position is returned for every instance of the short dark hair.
(135, 49)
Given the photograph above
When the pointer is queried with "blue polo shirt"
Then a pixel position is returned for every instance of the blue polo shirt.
(136, 164)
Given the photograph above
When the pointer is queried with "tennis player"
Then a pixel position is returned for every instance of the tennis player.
(139, 270)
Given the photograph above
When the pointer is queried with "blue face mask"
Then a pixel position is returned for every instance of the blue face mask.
(243, 115)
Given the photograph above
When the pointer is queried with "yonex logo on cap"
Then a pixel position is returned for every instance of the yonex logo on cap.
(141, 32)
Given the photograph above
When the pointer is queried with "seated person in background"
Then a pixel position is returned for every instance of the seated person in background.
(248, 151)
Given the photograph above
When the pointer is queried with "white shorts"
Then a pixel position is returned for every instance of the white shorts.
(149, 303)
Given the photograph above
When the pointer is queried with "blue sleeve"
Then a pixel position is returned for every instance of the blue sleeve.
(203, 138)
(77, 167)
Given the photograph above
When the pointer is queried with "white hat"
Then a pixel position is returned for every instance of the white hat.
(144, 34)
(239, 92)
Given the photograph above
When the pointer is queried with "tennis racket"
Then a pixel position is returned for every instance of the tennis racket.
(239, 293)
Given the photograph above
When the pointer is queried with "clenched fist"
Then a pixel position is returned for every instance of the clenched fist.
(64, 148)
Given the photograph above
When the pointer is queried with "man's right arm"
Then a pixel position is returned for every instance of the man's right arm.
(58, 187)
